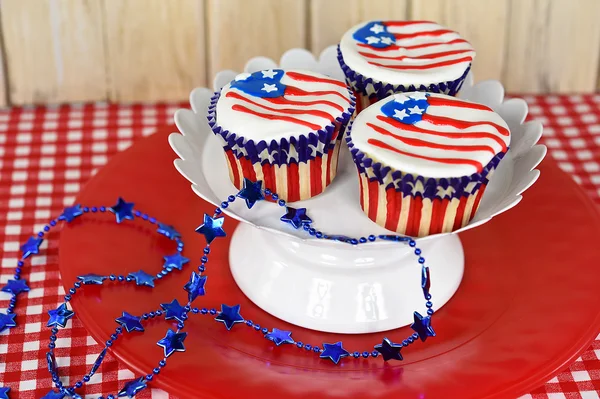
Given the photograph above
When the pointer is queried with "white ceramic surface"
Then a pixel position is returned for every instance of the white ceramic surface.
(284, 279)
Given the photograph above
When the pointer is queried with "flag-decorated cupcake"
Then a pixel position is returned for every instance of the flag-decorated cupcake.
(424, 160)
(384, 57)
(283, 128)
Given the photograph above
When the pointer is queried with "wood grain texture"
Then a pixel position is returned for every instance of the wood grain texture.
(3, 82)
(482, 22)
(54, 50)
(156, 49)
(553, 46)
(240, 29)
(330, 19)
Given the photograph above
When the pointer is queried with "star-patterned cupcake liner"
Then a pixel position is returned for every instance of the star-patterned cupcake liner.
(368, 90)
(415, 205)
(297, 168)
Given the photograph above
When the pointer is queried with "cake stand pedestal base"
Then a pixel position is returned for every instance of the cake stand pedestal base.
(342, 288)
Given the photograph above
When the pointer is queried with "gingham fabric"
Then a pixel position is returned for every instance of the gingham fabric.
(48, 153)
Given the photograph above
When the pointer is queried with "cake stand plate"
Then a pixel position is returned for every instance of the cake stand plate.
(527, 306)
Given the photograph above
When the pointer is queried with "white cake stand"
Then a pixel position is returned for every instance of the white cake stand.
(333, 286)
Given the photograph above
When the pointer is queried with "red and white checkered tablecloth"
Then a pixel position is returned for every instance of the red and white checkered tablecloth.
(48, 153)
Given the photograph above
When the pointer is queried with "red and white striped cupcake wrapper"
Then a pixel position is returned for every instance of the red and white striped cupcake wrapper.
(295, 181)
(414, 215)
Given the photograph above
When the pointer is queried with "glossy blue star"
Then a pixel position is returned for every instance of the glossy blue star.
(177, 261)
(172, 342)
(333, 352)
(174, 310)
(143, 278)
(4, 392)
(296, 217)
(211, 228)
(195, 287)
(7, 321)
(59, 316)
(280, 337)
(252, 192)
(31, 247)
(230, 315)
(130, 322)
(71, 213)
(168, 231)
(92, 278)
(15, 287)
(133, 387)
(54, 395)
(422, 325)
(425, 280)
(122, 210)
(389, 350)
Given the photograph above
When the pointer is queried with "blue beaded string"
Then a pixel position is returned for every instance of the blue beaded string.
(211, 229)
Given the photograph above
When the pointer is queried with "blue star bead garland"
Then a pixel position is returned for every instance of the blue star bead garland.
(123, 210)
(172, 342)
(296, 217)
(229, 316)
(251, 192)
(4, 392)
(211, 228)
(15, 287)
(130, 322)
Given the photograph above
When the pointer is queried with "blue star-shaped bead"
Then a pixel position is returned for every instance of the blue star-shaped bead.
(177, 261)
(142, 278)
(334, 352)
(92, 278)
(195, 287)
(7, 321)
(174, 310)
(122, 210)
(211, 228)
(252, 192)
(172, 342)
(31, 247)
(389, 350)
(71, 213)
(59, 316)
(230, 315)
(422, 325)
(296, 217)
(130, 322)
(15, 287)
(133, 387)
(280, 337)
(168, 231)
(4, 392)
(54, 395)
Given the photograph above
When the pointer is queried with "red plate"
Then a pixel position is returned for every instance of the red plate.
(527, 307)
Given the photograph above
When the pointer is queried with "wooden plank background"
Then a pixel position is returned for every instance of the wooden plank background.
(54, 51)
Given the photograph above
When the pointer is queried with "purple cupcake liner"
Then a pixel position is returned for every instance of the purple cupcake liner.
(416, 185)
(370, 87)
(285, 151)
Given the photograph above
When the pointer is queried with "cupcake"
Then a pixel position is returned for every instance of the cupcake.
(283, 128)
(424, 160)
(384, 57)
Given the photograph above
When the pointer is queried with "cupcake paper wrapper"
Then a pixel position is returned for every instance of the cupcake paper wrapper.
(415, 205)
(294, 168)
(369, 90)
